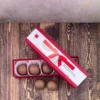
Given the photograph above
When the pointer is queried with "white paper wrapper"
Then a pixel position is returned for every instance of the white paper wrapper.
(42, 61)
(33, 62)
(16, 64)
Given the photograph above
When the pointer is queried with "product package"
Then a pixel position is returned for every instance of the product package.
(60, 61)
(33, 68)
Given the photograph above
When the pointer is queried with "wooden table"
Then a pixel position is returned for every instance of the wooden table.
(81, 40)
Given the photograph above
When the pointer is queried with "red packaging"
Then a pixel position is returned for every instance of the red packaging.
(28, 62)
(63, 64)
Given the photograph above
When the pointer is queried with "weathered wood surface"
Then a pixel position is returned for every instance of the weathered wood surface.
(76, 39)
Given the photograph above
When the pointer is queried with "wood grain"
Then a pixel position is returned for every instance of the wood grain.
(3, 54)
(81, 40)
(26, 85)
(62, 42)
(52, 30)
(98, 64)
(72, 34)
(14, 53)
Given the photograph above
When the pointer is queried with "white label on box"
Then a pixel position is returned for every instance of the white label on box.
(49, 50)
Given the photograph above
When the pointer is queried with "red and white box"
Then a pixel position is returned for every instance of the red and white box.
(63, 64)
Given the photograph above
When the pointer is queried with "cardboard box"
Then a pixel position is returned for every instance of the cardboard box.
(28, 62)
(17, 62)
(63, 64)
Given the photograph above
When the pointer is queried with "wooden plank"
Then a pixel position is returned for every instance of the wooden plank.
(52, 30)
(63, 43)
(72, 33)
(3, 60)
(98, 54)
(26, 85)
(88, 58)
(13, 52)
(69, 43)
(98, 63)
(8, 83)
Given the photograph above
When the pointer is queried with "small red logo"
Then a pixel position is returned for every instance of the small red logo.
(36, 35)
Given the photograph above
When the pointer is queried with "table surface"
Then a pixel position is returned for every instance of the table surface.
(81, 40)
